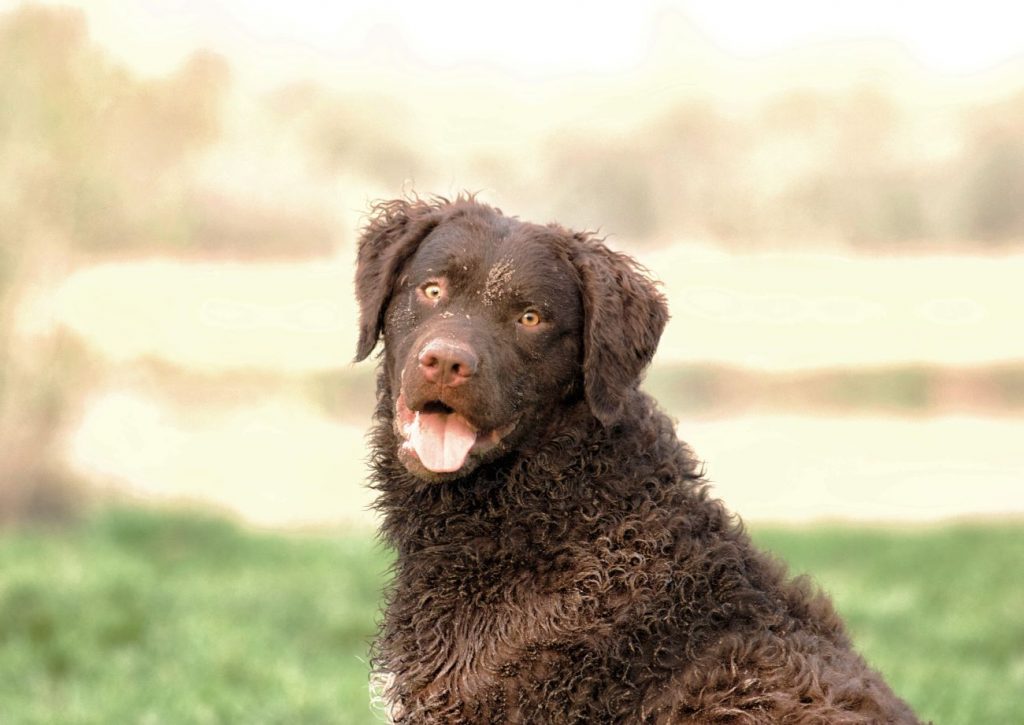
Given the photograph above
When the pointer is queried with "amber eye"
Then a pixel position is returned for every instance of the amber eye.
(432, 291)
(530, 318)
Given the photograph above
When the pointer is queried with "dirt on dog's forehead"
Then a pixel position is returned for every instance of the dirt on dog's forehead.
(499, 258)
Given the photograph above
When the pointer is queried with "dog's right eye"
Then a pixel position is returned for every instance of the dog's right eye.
(530, 318)
(432, 291)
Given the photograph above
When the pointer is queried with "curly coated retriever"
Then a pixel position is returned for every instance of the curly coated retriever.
(559, 557)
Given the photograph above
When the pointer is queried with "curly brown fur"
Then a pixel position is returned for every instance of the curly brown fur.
(577, 571)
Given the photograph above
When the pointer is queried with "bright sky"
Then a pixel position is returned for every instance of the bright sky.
(271, 39)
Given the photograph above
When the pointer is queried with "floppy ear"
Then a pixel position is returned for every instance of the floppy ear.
(624, 316)
(392, 235)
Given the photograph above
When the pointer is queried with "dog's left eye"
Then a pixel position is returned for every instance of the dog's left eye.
(530, 318)
(432, 291)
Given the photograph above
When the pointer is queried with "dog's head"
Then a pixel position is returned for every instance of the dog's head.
(490, 324)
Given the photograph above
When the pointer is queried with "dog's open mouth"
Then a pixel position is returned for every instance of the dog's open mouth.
(441, 438)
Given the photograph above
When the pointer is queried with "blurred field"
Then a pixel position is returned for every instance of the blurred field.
(837, 225)
(813, 385)
(280, 461)
(780, 312)
(146, 617)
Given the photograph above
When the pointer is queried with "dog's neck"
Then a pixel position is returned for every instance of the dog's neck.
(559, 469)
(406, 500)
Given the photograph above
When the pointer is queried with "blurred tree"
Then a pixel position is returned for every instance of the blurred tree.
(599, 182)
(357, 134)
(994, 193)
(675, 175)
(866, 186)
(697, 158)
(91, 153)
(808, 166)
(93, 160)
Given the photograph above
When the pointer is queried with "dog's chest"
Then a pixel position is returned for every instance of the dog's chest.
(477, 647)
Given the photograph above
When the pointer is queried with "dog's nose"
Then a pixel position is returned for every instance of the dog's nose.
(447, 363)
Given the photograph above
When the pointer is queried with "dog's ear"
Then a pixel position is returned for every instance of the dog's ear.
(391, 236)
(624, 316)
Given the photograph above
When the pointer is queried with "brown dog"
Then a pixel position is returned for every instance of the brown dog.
(559, 559)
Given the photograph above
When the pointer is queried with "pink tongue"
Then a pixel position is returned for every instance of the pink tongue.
(442, 440)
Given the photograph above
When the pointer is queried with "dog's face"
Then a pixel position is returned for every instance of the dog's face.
(482, 331)
(490, 323)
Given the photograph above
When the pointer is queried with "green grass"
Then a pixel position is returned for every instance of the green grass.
(940, 611)
(140, 617)
(148, 617)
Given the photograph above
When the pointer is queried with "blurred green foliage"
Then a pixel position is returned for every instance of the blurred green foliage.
(137, 616)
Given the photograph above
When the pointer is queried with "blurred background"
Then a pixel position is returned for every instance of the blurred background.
(833, 198)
